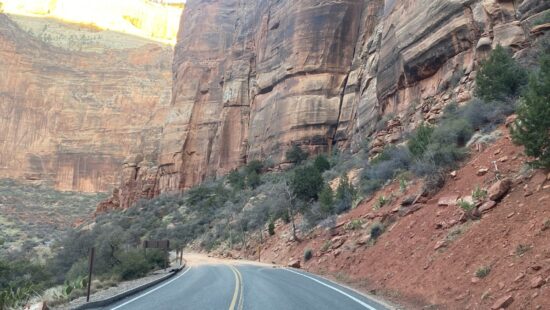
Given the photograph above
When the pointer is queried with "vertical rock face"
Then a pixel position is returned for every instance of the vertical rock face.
(251, 78)
(70, 118)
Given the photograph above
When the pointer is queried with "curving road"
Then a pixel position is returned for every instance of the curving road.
(247, 286)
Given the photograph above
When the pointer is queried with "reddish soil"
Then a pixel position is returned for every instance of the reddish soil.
(428, 257)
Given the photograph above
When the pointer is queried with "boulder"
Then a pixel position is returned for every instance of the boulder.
(488, 205)
(294, 263)
(498, 190)
(482, 172)
(337, 242)
(449, 200)
(537, 282)
(503, 302)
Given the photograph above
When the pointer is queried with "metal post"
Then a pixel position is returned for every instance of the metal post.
(181, 257)
(259, 253)
(92, 253)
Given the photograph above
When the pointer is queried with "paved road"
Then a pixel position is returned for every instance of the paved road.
(250, 287)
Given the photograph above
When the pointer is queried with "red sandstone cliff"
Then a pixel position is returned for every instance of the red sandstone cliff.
(251, 78)
(68, 118)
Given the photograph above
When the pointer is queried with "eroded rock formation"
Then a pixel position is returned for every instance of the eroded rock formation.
(250, 78)
(69, 119)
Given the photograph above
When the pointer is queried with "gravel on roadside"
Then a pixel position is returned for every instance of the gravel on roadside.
(115, 290)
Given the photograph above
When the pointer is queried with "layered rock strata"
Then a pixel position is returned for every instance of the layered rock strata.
(251, 78)
(69, 119)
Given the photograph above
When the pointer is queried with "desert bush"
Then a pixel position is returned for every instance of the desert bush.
(419, 141)
(296, 155)
(306, 183)
(482, 272)
(354, 224)
(321, 163)
(308, 254)
(479, 194)
(345, 194)
(532, 126)
(499, 76)
(236, 179)
(386, 166)
(376, 231)
(133, 264)
(253, 180)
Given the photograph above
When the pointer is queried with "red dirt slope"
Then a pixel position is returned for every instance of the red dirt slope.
(429, 255)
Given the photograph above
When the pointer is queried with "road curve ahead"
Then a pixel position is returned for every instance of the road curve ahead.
(247, 286)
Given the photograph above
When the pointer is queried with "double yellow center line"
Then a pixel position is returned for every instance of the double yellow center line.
(237, 301)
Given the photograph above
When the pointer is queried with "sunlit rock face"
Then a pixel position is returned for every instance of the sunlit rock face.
(68, 118)
(153, 20)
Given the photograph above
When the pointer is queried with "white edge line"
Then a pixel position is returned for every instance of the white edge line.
(149, 292)
(335, 289)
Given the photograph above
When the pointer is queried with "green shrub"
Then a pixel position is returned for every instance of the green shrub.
(133, 265)
(306, 183)
(326, 200)
(308, 254)
(271, 228)
(479, 194)
(499, 76)
(254, 166)
(354, 224)
(482, 272)
(236, 179)
(532, 126)
(382, 201)
(376, 230)
(419, 141)
(253, 180)
(296, 155)
(321, 163)
(466, 206)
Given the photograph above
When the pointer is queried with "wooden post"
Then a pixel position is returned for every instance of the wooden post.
(181, 257)
(91, 265)
(259, 253)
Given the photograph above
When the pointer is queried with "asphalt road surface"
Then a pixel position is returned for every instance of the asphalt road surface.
(250, 287)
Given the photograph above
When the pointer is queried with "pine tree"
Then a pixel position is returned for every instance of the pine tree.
(532, 127)
(500, 76)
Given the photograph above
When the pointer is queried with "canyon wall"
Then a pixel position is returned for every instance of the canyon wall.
(70, 119)
(252, 78)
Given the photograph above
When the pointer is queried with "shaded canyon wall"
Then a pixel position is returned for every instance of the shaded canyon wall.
(251, 78)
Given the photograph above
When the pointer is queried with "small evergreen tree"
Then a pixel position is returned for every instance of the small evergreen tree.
(321, 163)
(532, 127)
(296, 155)
(345, 193)
(306, 183)
(271, 227)
(500, 76)
(326, 200)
